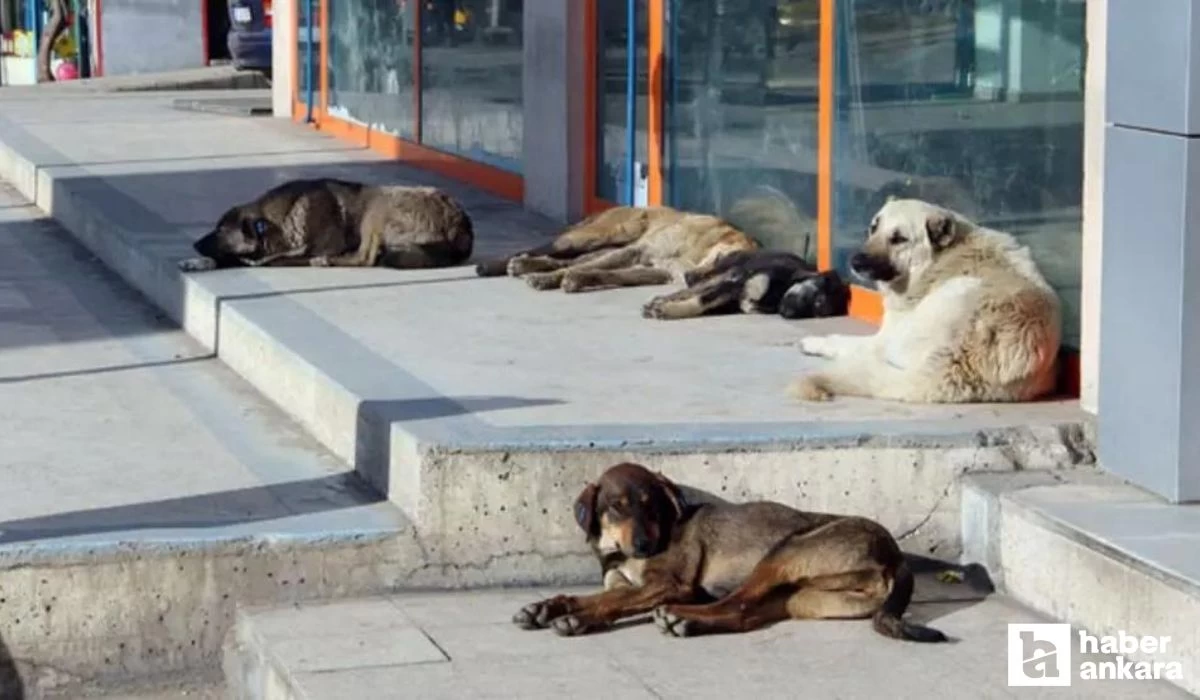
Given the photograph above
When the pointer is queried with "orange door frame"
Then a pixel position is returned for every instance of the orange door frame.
(865, 304)
(499, 182)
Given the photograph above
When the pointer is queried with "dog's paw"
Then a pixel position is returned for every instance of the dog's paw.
(319, 261)
(534, 616)
(655, 308)
(671, 624)
(197, 265)
(517, 266)
(809, 388)
(575, 282)
(569, 626)
(816, 345)
(542, 281)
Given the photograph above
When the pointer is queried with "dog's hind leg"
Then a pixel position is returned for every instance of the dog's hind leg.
(609, 260)
(524, 265)
(416, 256)
(693, 301)
(588, 280)
(762, 602)
(842, 569)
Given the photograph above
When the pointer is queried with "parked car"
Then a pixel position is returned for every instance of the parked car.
(250, 35)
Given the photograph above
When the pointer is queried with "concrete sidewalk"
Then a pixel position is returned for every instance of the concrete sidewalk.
(478, 405)
(148, 489)
(458, 646)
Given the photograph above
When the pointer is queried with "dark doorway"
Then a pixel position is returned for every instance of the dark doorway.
(218, 30)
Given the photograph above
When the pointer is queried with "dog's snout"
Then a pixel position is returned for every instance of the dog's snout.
(207, 245)
(799, 301)
(872, 267)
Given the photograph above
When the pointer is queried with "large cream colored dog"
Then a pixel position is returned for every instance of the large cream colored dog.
(967, 316)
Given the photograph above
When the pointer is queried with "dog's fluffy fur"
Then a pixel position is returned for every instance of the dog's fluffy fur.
(624, 247)
(760, 281)
(329, 222)
(967, 316)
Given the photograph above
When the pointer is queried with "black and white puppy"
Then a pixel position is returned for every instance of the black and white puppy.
(761, 281)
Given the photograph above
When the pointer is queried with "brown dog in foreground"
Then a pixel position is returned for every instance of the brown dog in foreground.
(717, 568)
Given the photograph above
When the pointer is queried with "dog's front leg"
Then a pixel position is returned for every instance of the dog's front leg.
(575, 615)
(276, 258)
(835, 345)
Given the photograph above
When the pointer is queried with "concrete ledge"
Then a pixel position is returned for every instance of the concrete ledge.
(1094, 552)
(479, 406)
(98, 616)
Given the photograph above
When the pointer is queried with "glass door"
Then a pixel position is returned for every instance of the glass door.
(621, 95)
(741, 96)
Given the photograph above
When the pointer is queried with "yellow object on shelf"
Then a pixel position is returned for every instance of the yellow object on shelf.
(23, 44)
(65, 47)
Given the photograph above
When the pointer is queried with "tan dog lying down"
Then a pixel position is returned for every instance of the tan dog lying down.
(967, 316)
(624, 247)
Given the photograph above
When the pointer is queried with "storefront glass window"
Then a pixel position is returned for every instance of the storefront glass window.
(742, 115)
(303, 8)
(612, 72)
(976, 105)
(371, 64)
(471, 95)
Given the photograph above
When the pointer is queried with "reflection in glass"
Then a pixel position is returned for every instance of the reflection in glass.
(742, 115)
(471, 96)
(976, 105)
(611, 85)
(306, 62)
(371, 63)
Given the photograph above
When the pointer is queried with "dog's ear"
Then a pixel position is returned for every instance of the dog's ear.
(585, 510)
(673, 493)
(941, 229)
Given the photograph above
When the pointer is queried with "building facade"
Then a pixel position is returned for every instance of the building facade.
(1001, 109)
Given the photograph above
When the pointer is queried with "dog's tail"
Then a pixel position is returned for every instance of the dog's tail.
(492, 268)
(889, 619)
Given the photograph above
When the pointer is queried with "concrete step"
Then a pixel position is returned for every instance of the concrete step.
(463, 644)
(1094, 552)
(148, 489)
(479, 406)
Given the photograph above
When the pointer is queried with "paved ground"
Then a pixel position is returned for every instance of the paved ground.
(118, 427)
(463, 646)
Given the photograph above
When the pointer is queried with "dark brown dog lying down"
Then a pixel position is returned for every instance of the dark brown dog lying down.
(716, 568)
(327, 222)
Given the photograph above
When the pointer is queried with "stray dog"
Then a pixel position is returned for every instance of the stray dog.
(335, 223)
(715, 568)
(758, 281)
(624, 247)
(967, 316)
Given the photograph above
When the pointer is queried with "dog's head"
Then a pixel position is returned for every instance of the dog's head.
(630, 510)
(905, 237)
(817, 295)
(241, 234)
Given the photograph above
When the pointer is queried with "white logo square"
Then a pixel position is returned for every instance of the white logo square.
(1039, 655)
